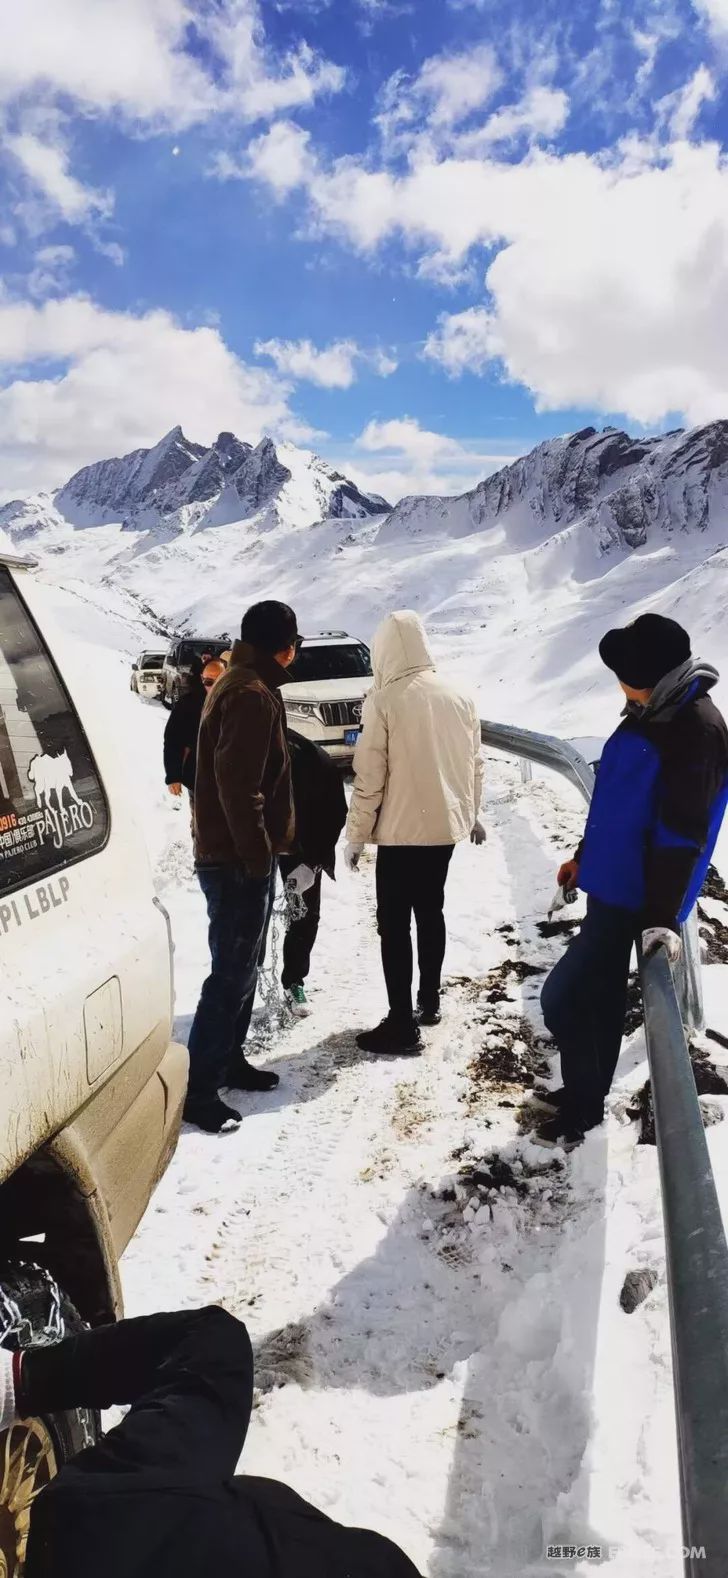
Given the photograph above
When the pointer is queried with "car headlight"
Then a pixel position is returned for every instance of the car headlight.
(302, 709)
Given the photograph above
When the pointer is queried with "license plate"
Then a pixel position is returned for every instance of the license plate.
(351, 736)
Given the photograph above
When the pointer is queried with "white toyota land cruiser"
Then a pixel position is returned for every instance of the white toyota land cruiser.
(91, 1084)
(329, 681)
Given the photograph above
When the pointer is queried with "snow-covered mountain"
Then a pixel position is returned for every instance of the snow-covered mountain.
(619, 489)
(182, 486)
(517, 579)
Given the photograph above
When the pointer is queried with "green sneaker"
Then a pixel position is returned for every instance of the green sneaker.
(298, 1002)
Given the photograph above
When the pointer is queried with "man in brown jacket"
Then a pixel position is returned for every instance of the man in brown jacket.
(243, 821)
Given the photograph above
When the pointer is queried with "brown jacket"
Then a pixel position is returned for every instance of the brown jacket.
(243, 801)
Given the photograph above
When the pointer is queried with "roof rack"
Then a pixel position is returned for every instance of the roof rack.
(19, 561)
(339, 635)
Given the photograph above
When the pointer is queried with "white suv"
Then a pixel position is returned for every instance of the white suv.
(91, 1083)
(329, 681)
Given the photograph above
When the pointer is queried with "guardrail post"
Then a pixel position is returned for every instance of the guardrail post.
(697, 1279)
(526, 770)
(688, 977)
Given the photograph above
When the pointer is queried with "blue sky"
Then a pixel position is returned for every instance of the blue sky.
(419, 237)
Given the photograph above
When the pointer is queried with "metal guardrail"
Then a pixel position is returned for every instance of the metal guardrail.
(695, 1240)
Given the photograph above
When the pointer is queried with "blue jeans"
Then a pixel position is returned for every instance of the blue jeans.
(584, 1003)
(239, 910)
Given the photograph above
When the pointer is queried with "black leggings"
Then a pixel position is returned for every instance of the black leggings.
(411, 880)
(301, 934)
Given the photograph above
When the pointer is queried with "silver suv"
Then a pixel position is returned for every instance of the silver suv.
(329, 681)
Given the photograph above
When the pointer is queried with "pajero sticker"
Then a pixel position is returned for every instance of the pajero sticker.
(59, 813)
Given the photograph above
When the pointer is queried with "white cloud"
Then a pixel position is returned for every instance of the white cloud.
(46, 165)
(280, 157)
(111, 250)
(132, 57)
(333, 367)
(609, 284)
(50, 272)
(410, 459)
(679, 111)
(124, 379)
(715, 13)
(446, 91)
(462, 341)
(542, 112)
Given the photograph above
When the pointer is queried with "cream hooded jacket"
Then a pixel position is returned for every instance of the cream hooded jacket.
(418, 768)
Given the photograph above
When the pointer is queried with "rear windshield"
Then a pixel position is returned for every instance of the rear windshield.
(151, 660)
(53, 810)
(334, 662)
(189, 649)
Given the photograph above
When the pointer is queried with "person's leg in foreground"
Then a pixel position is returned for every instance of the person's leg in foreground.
(238, 908)
(239, 1073)
(300, 939)
(430, 867)
(158, 1494)
(398, 1034)
(584, 1002)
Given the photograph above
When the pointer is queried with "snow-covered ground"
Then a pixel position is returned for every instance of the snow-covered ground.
(441, 1356)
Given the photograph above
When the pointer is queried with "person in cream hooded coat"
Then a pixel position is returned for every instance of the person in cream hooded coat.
(417, 792)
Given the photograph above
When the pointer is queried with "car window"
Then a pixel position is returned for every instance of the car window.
(151, 660)
(334, 662)
(53, 809)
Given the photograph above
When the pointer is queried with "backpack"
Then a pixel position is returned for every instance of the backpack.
(319, 800)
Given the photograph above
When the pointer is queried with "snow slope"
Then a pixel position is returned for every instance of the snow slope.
(516, 580)
(439, 1359)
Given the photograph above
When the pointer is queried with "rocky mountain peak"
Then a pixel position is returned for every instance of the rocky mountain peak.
(618, 488)
(181, 485)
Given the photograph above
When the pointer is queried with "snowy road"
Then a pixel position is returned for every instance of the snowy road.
(466, 1383)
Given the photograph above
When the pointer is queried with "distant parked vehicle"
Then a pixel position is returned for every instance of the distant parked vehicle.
(329, 682)
(146, 674)
(179, 658)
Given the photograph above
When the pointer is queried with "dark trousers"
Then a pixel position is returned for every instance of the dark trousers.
(302, 932)
(411, 881)
(239, 910)
(158, 1494)
(584, 1002)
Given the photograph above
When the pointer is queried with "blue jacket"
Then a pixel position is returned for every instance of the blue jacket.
(660, 797)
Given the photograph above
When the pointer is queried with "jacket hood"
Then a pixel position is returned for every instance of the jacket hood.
(400, 647)
(673, 689)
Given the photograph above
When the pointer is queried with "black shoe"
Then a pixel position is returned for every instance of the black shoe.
(428, 1015)
(392, 1040)
(242, 1076)
(558, 1131)
(549, 1102)
(211, 1114)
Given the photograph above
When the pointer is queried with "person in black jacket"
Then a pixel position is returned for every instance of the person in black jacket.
(320, 805)
(158, 1497)
(660, 796)
(183, 727)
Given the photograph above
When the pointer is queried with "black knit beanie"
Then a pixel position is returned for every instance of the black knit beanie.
(642, 653)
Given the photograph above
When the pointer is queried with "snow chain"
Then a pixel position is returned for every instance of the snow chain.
(274, 1011)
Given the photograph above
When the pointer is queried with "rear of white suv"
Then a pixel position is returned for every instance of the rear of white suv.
(329, 682)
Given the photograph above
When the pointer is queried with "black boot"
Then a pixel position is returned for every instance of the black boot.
(391, 1039)
(211, 1114)
(242, 1076)
(428, 1013)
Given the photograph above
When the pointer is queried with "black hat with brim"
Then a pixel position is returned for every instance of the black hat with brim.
(642, 653)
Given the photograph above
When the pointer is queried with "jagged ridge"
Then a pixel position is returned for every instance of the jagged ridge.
(180, 484)
(620, 489)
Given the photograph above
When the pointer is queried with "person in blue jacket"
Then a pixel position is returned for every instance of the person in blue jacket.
(660, 797)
